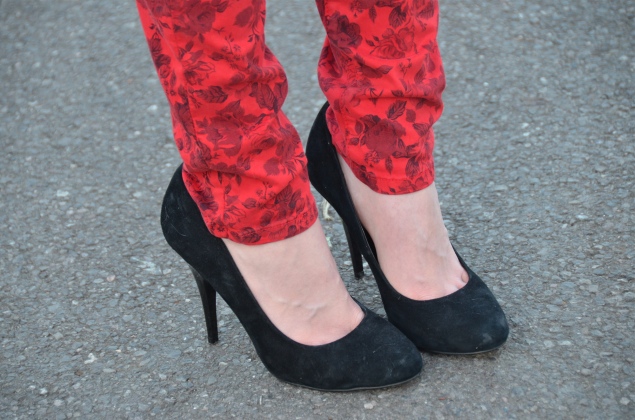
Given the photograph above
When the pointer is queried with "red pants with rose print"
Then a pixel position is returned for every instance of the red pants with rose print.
(244, 166)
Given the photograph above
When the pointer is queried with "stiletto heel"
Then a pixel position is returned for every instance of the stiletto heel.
(374, 355)
(467, 321)
(208, 297)
(356, 255)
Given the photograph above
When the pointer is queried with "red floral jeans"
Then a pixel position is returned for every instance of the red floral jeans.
(244, 166)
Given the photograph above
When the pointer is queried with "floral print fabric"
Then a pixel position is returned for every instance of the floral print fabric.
(381, 71)
(243, 161)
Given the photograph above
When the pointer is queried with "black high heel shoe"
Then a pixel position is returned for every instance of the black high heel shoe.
(373, 355)
(467, 321)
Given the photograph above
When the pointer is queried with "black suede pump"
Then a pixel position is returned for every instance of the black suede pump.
(467, 321)
(373, 355)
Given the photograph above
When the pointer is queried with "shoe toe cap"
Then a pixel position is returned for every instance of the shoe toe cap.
(390, 357)
(468, 321)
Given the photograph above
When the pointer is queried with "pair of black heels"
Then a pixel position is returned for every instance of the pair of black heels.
(375, 354)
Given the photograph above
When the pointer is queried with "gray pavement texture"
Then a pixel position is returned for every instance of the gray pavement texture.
(535, 163)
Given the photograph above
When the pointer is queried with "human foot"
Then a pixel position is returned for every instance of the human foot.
(412, 243)
(298, 286)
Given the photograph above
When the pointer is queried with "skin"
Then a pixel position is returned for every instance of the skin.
(298, 286)
(413, 247)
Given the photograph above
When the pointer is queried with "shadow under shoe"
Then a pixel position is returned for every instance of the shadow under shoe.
(373, 355)
(467, 321)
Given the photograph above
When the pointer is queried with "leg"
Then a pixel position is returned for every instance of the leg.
(243, 161)
(382, 73)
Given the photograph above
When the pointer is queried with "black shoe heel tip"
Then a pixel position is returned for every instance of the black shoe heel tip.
(208, 298)
(356, 255)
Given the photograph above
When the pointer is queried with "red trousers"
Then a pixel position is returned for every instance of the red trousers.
(244, 166)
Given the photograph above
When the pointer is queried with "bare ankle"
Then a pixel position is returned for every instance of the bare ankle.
(298, 286)
(412, 242)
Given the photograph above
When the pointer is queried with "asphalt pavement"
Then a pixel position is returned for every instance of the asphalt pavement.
(535, 158)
